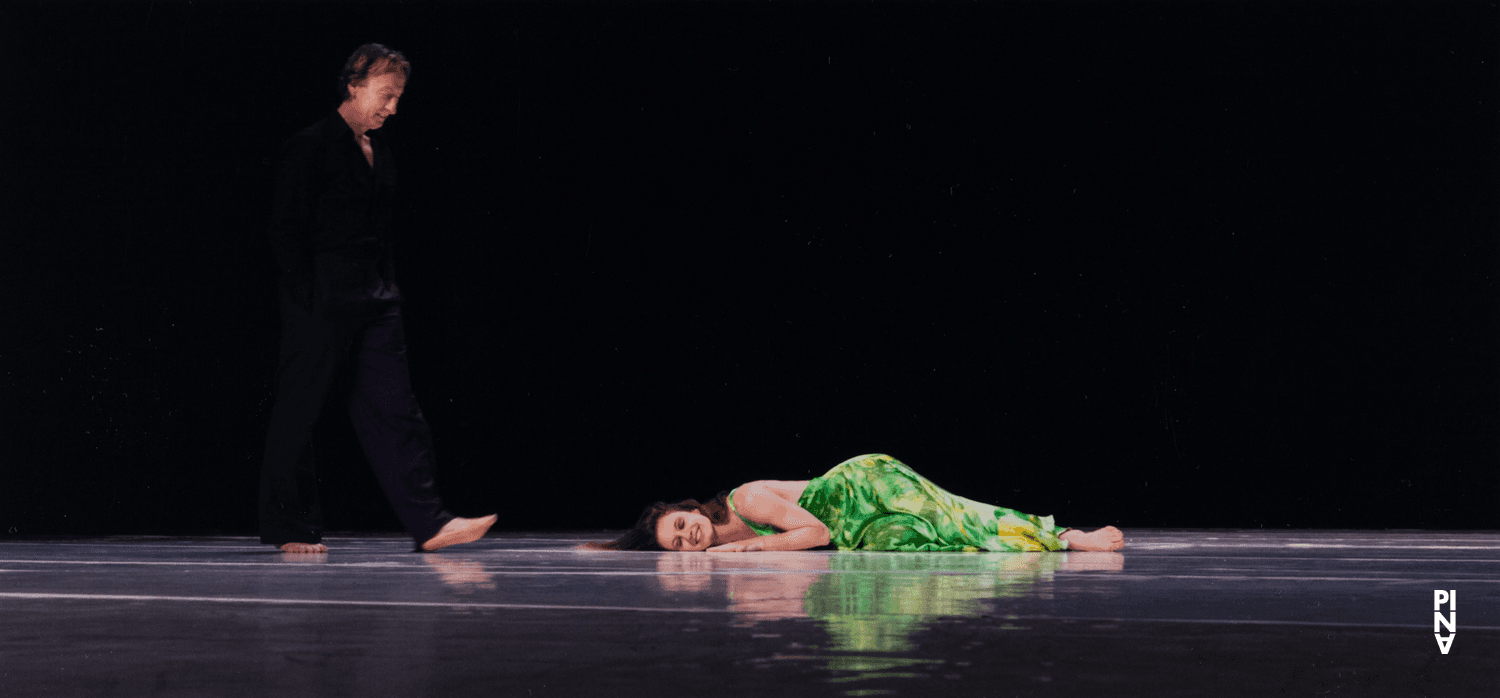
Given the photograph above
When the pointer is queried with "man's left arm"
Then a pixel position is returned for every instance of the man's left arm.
(387, 262)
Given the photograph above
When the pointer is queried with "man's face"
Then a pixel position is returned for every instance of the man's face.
(372, 101)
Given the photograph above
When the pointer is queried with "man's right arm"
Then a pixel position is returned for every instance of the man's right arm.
(291, 215)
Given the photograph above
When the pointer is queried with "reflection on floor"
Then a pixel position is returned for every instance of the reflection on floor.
(1175, 613)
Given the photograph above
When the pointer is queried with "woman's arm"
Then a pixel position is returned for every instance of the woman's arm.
(800, 529)
(799, 539)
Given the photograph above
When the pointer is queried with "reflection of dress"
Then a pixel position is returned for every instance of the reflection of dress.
(876, 502)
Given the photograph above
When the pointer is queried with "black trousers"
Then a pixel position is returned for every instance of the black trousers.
(346, 317)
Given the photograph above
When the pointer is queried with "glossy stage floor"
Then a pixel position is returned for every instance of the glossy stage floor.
(1205, 613)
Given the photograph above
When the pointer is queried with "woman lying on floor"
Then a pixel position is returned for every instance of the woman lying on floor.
(872, 502)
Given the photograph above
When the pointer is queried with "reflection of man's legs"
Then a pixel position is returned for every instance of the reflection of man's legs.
(310, 353)
(395, 436)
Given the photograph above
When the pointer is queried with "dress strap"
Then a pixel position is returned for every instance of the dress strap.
(760, 529)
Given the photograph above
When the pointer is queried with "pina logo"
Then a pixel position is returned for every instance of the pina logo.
(1440, 621)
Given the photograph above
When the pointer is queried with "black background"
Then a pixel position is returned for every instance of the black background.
(1141, 263)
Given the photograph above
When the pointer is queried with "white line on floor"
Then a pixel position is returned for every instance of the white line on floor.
(553, 607)
(1257, 578)
(268, 563)
(1401, 547)
(495, 570)
(1220, 621)
(1139, 559)
(336, 602)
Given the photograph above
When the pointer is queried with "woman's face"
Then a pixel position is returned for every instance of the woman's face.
(684, 530)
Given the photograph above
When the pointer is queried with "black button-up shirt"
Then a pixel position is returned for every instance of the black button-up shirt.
(329, 200)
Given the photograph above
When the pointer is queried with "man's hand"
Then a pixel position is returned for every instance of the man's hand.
(745, 547)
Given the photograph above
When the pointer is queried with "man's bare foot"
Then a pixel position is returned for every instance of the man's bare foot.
(1102, 540)
(303, 548)
(460, 530)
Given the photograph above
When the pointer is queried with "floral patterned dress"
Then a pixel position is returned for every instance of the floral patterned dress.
(876, 502)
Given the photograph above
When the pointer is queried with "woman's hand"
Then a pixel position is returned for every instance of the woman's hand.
(745, 547)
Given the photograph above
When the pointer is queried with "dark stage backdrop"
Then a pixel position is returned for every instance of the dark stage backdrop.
(1141, 263)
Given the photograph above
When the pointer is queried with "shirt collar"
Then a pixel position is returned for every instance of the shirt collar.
(338, 128)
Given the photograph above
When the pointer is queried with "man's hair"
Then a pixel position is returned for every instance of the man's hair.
(366, 58)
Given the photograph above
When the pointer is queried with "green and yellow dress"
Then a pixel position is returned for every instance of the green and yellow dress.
(876, 502)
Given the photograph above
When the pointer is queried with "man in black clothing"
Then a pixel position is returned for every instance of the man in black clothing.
(341, 310)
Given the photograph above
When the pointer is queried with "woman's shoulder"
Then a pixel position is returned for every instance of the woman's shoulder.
(788, 490)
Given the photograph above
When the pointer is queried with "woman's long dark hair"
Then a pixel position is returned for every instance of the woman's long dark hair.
(642, 536)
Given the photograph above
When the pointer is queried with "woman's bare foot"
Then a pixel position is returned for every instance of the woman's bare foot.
(1102, 540)
(303, 548)
(460, 530)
